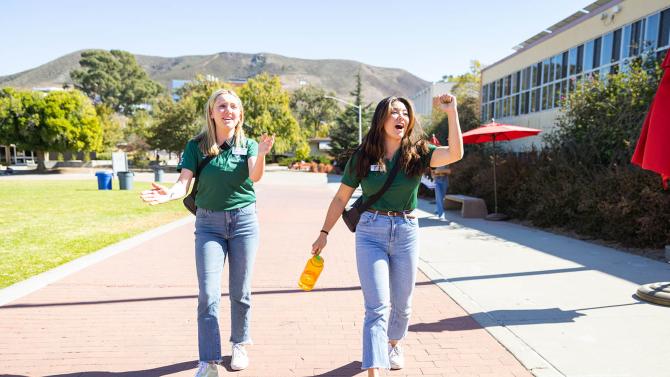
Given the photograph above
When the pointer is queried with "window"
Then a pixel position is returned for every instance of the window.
(597, 46)
(572, 61)
(526, 79)
(564, 66)
(492, 91)
(635, 38)
(580, 59)
(588, 56)
(557, 94)
(524, 102)
(536, 99)
(625, 51)
(607, 42)
(515, 105)
(616, 46)
(651, 32)
(554, 68)
(499, 88)
(516, 82)
(664, 36)
(508, 85)
(545, 95)
(545, 71)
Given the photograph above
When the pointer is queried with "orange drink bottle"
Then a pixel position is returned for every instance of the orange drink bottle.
(311, 273)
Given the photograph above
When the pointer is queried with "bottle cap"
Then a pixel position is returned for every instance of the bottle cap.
(318, 260)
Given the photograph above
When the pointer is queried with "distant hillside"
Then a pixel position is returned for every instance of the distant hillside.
(332, 75)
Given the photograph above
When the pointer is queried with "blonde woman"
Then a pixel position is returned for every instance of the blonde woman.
(387, 235)
(226, 225)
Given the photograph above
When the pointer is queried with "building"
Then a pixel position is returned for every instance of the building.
(423, 100)
(525, 87)
(319, 146)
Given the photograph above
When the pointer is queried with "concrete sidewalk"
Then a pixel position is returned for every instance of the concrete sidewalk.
(133, 313)
(564, 307)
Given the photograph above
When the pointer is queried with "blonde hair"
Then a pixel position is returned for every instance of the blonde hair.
(207, 137)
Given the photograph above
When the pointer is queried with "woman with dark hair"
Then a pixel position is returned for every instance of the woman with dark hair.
(387, 248)
(226, 226)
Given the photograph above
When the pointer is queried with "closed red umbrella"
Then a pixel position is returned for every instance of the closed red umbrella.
(495, 132)
(434, 141)
(651, 152)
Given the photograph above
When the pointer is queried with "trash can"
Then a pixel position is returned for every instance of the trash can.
(125, 180)
(104, 180)
(158, 174)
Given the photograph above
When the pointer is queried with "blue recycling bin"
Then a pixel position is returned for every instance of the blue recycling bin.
(125, 180)
(104, 180)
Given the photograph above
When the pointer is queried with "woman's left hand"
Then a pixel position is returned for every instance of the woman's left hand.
(447, 103)
(265, 144)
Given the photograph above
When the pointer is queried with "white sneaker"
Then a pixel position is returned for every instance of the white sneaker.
(240, 359)
(206, 369)
(396, 357)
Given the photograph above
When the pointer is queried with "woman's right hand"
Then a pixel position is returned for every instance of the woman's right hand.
(157, 195)
(319, 244)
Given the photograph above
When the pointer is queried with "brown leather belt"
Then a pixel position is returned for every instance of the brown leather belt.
(392, 213)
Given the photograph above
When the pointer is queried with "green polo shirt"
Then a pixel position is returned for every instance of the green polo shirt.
(400, 196)
(224, 183)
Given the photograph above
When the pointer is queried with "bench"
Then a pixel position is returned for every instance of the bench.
(471, 207)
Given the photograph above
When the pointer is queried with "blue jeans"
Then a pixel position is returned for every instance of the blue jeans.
(232, 234)
(441, 185)
(387, 252)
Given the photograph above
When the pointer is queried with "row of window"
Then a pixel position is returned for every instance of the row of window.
(541, 85)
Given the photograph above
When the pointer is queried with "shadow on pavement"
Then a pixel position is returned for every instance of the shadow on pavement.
(193, 297)
(348, 370)
(507, 318)
(590, 255)
(154, 372)
(167, 298)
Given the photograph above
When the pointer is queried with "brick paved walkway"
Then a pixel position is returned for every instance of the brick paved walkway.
(134, 314)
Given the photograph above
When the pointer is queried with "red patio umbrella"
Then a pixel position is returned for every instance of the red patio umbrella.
(651, 152)
(495, 132)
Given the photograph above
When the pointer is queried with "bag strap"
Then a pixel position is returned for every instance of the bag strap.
(202, 165)
(387, 184)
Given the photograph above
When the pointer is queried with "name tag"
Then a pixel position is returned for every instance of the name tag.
(240, 151)
(375, 168)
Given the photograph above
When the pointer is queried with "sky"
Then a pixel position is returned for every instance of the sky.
(429, 38)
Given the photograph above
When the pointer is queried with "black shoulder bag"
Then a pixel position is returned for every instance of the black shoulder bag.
(189, 200)
(353, 214)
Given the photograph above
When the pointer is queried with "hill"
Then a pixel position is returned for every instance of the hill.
(330, 74)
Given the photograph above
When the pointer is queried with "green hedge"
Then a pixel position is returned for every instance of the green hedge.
(623, 204)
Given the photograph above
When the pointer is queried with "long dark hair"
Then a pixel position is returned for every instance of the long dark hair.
(412, 145)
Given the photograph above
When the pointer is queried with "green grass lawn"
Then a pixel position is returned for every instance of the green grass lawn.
(47, 223)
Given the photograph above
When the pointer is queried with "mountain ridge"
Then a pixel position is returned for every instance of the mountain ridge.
(336, 75)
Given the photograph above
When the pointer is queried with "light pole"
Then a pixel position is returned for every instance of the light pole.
(360, 120)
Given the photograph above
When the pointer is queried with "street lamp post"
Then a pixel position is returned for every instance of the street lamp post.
(360, 119)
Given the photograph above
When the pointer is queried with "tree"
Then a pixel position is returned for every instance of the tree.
(466, 89)
(266, 110)
(177, 122)
(59, 121)
(312, 109)
(114, 78)
(600, 120)
(174, 124)
(110, 123)
(137, 131)
(344, 135)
